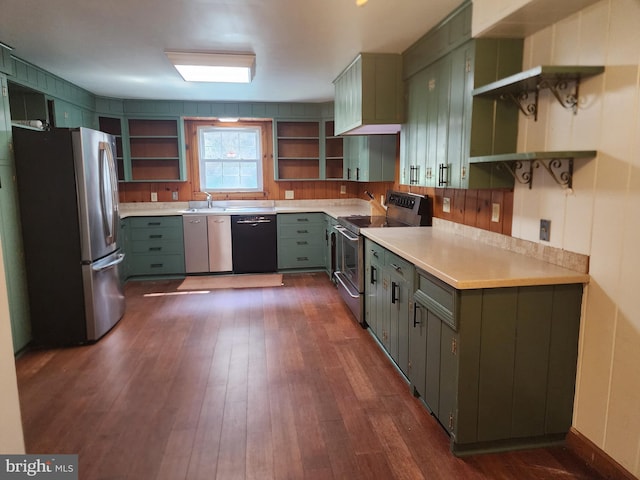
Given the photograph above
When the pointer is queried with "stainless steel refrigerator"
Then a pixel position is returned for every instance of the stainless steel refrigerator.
(68, 199)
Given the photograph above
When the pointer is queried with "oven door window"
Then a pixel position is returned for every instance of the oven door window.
(350, 261)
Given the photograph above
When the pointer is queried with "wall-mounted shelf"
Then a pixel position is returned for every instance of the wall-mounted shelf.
(559, 164)
(524, 88)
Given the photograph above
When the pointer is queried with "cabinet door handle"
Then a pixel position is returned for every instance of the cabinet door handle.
(348, 174)
(442, 178)
(415, 314)
(358, 173)
(397, 268)
(394, 289)
(373, 275)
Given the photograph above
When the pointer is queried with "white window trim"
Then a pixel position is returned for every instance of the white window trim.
(259, 161)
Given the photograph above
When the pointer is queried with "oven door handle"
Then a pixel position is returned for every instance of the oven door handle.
(346, 233)
(338, 276)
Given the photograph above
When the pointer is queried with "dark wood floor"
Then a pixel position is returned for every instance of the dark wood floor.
(262, 384)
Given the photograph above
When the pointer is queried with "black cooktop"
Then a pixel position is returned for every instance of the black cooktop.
(367, 221)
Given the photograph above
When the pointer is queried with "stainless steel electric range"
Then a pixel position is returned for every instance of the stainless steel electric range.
(403, 210)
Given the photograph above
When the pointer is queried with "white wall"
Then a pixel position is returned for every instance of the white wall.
(11, 437)
(601, 217)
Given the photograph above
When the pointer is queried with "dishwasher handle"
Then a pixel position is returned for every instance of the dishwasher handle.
(253, 222)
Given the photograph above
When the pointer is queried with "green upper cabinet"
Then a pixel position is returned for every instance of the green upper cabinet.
(6, 65)
(446, 124)
(5, 123)
(369, 95)
(370, 158)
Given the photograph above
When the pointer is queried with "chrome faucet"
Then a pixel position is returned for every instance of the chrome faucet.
(209, 201)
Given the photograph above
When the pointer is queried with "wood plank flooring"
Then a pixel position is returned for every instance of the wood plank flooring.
(270, 383)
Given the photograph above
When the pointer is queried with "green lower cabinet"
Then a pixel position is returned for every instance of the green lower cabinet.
(330, 245)
(499, 364)
(301, 241)
(155, 246)
(13, 255)
(389, 284)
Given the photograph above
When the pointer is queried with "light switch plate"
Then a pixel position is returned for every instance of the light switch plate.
(495, 212)
(343, 189)
(545, 230)
(154, 196)
(288, 194)
(446, 204)
(174, 195)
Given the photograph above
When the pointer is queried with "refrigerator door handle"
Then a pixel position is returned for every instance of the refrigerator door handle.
(99, 267)
(108, 199)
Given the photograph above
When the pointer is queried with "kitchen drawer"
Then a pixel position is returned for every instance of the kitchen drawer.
(402, 268)
(148, 222)
(311, 233)
(300, 218)
(156, 246)
(156, 234)
(438, 296)
(291, 256)
(156, 265)
(376, 251)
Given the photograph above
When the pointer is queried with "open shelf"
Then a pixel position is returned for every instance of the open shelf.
(298, 150)
(521, 87)
(154, 147)
(559, 164)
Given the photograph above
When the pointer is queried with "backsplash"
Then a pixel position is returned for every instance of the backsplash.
(556, 256)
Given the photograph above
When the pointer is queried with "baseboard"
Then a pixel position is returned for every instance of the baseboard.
(595, 457)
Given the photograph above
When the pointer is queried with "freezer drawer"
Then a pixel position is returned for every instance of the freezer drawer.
(104, 296)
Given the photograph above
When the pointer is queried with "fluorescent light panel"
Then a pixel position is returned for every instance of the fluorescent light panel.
(214, 67)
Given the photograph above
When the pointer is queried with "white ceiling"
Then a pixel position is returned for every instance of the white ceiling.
(116, 48)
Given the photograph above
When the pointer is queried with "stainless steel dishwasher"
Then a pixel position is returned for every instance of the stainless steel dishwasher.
(255, 243)
(196, 251)
(219, 234)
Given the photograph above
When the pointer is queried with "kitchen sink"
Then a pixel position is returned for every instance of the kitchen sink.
(203, 211)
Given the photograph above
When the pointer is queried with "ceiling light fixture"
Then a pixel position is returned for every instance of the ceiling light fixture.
(214, 67)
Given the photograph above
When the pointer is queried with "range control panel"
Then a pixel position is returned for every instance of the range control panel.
(409, 208)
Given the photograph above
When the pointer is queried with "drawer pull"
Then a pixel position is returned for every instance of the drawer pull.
(303, 243)
(303, 219)
(157, 265)
(155, 236)
(155, 249)
(302, 259)
(154, 224)
(302, 231)
(397, 268)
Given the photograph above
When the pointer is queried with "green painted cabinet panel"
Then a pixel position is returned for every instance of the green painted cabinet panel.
(370, 158)
(5, 123)
(446, 124)
(155, 246)
(6, 64)
(13, 254)
(331, 253)
(67, 115)
(499, 364)
(301, 242)
(389, 285)
(369, 92)
(374, 293)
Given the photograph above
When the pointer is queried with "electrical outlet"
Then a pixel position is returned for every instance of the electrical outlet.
(495, 212)
(446, 204)
(154, 196)
(288, 194)
(343, 189)
(174, 195)
(545, 230)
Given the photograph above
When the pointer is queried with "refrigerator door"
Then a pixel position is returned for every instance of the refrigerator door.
(104, 299)
(97, 188)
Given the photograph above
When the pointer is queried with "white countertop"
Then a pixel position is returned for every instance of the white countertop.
(458, 261)
(466, 264)
(333, 209)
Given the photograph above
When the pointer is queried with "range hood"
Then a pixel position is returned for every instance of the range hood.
(369, 95)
